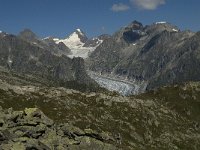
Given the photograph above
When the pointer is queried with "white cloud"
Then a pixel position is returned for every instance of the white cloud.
(120, 7)
(147, 4)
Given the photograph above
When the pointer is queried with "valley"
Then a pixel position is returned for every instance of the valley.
(136, 89)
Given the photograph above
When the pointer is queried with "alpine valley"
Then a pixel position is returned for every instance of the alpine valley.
(138, 89)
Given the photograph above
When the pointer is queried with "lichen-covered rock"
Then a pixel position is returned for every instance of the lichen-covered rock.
(31, 129)
(154, 120)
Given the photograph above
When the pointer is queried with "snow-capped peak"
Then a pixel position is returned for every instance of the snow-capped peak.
(79, 30)
(75, 40)
(79, 44)
(0, 31)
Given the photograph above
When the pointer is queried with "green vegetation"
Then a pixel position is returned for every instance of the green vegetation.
(137, 122)
(184, 99)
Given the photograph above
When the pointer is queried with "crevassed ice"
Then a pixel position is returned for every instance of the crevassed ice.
(123, 88)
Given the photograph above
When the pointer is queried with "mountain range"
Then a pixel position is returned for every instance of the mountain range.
(156, 55)
(135, 89)
(148, 56)
(29, 56)
(79, 44)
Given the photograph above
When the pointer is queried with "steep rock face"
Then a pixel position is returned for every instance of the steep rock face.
(106, 56)
(83, 38)
(26, 58)
(58, 49)
(94, 42)
(156, 54)
(47, 43)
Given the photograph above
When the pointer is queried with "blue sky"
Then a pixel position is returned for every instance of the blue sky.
(60, 17)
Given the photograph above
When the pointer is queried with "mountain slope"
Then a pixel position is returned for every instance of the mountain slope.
(158, 54)
(26, 58)
(150, 121)
(47, 43)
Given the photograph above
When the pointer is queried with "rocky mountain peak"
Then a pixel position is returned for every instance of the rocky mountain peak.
(79, 34)
(104, 36)
(135, 25)
(159, 27)
(28, 35)
(94, 42)
(79, 31)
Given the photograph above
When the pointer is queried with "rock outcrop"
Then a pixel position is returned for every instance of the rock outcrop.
(163, 119)
(31, 129)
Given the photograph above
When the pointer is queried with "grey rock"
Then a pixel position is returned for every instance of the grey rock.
(35, 131)
(23, 57)
(159, 54)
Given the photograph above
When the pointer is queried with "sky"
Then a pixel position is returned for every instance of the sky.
(59, 18)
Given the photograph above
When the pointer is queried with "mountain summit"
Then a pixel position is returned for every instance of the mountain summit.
(27, 34)
(81, 35)
(75, 40)
(79, 43)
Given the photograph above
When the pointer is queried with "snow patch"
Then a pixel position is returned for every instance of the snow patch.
(161, 22)
(0, 31)
(100, 41)
(46, 38)
(79, 30)
(175, 30)
(10, 61)
(134, 44)
(56, 39)
(82, 52)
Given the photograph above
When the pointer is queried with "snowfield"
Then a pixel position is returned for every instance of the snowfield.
(82, 52)
(76, 45)
(161, 22)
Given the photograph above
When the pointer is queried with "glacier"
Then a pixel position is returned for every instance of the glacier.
(122, 86)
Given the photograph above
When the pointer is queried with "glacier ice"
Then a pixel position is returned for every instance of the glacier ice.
(121, 86)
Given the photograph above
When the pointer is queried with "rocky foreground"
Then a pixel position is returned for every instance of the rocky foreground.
(32, 130)
(167, 118)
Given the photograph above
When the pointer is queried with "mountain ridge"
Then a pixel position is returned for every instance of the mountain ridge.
(38, 59)
(148, 53)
